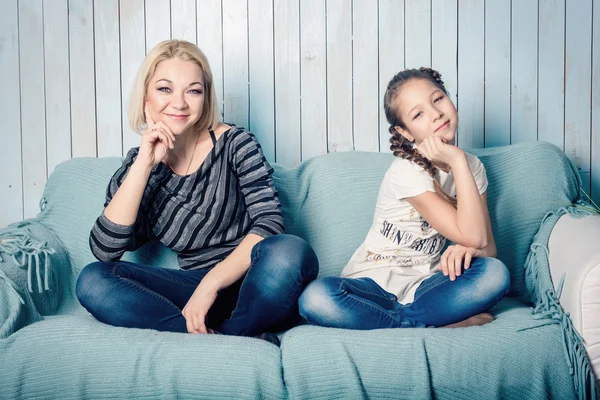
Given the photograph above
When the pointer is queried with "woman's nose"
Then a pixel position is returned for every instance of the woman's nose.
(178, 102)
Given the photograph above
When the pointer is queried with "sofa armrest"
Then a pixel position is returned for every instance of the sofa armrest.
(36, 264)
(574, 251)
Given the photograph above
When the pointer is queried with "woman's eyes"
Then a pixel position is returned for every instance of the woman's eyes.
(167, 90)
(438, 99)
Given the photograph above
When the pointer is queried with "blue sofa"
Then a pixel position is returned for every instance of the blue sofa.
(50, 347)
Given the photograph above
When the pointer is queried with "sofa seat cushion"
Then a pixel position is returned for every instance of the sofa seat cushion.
(74, 357)
(515, 357)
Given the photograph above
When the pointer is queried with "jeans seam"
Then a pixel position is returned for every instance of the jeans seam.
(252, 262)
(365, 292)
(146, 290)
(428, 289)
(371, 305)
(135, 266)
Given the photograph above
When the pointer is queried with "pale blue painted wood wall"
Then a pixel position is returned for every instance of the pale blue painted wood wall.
(306, 76)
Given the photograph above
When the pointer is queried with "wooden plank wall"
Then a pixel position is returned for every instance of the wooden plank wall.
(306, 76)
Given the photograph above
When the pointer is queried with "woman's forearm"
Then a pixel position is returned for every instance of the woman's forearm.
(233, 267)
(124, 206)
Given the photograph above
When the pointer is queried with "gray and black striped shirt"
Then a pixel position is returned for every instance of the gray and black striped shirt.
(202, 216)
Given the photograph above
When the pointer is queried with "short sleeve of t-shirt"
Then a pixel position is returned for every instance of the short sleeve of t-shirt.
(479, 174)
(407, 179)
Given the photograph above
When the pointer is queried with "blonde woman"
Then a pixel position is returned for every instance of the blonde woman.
(205, 190)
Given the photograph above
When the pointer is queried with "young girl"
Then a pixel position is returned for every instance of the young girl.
(432, 192)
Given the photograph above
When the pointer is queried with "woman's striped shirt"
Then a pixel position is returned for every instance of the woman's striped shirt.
(202, 216)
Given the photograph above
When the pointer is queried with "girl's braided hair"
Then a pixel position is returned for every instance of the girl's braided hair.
(400, 146)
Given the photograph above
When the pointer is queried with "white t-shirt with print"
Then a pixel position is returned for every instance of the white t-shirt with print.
(401, 249)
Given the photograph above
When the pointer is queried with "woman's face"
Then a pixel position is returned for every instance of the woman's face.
(426, 111)
(175, 94)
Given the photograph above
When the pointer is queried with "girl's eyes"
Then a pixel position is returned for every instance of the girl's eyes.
(196, 91)
(438, 99)
(417, 115)
(163, 89)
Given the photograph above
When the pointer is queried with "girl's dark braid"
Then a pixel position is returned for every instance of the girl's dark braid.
(400, 146)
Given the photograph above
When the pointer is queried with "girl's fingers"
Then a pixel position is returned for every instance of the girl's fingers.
(451, 268)
(444, 263)
(458, 264)
(468, 259)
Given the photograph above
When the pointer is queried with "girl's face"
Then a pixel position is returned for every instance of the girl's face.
(175, 94)
(426, 111)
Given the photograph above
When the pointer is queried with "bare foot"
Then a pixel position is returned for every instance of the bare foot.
(479, 319)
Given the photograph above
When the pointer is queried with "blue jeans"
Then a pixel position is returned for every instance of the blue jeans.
(362, 304)
(266, 299)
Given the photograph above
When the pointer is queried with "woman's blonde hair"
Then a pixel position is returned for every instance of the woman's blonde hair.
(167, 50)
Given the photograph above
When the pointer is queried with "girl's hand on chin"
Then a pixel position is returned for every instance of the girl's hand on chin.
(435, 149)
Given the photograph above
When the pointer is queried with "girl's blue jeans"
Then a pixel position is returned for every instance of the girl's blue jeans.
(362, 304)
(265, 299)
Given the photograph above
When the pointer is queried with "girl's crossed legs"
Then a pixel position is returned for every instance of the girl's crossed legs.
(362, 304)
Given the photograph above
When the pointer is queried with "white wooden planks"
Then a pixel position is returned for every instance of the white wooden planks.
(133, 51)
(262, 74)
(391, 57)
(497, 73)
(33, 114)
(158, 23)
(365, 91)
(235, 70)
(108, 78)
(306, 76)
(470, 73)
(183, 20)
(578, 87)
(57, 88)
(11, 177)
(524, 71)
(288, 146)
(417, 39)
(313, 83)
(551, 72)
(595, 128)
(339, 76)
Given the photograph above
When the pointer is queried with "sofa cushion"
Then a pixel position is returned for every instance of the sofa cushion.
(76, 357)
(515, 357)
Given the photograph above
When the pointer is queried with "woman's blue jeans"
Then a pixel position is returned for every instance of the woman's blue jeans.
(362, 304)
(264, 300)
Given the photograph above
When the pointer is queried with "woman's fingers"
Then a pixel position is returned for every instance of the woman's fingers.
(201, 325)
(149, 120)
(167, 129)
(188, 322)
(157, 133)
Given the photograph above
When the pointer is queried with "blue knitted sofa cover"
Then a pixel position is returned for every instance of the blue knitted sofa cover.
(50, 347)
